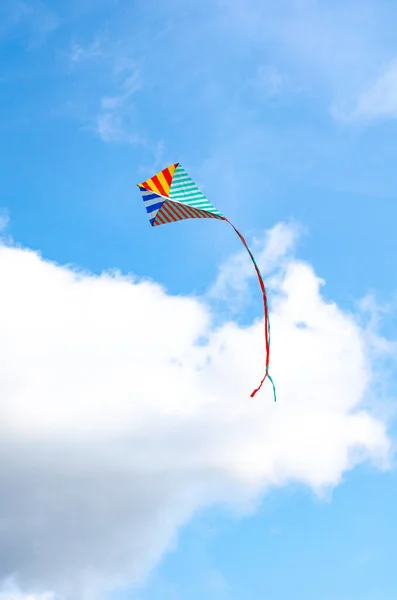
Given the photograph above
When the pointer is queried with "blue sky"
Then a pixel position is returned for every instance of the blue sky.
(294, 545)
(284, 115)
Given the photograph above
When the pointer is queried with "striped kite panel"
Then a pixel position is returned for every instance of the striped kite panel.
(185, 191)
(175, 211)
(152, 202)
(161, 183)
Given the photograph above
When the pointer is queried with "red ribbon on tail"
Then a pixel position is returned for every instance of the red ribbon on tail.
(266, 311)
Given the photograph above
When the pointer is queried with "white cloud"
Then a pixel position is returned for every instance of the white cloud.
(15, 595)
(217, 582)
(330, 51)
(20, 596)
(233, 280)
(4, 219)
(30, 19)
(115, 120)
(79, 54)
(12, 12)
(269, 79)
(117, 421)
(9, 591)
(111, 127)
(379, 100)
(129, 82)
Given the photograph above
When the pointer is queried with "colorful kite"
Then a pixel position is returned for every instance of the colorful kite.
(172, 196)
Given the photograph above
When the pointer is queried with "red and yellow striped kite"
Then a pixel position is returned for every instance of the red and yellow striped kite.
(172, 196)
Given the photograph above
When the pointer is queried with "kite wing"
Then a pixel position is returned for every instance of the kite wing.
(170, 196)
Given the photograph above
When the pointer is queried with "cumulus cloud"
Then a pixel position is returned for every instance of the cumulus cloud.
(124, 409)
(10, 591)
(13, 594)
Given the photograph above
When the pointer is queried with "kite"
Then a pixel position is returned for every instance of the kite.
(171, 196)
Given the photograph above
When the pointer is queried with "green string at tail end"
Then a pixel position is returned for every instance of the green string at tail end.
(262, 382)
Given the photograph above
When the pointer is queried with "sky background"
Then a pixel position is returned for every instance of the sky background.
(134, 465)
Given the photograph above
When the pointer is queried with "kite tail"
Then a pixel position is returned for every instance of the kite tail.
(266, 311)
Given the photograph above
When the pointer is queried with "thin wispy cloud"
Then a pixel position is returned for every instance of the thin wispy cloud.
(379, 100)
(270, 80)
(233, 281)
(4, 219)
(32, 21)
(328, 51)
(79, 53)
(113, 127)
(116, 119)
